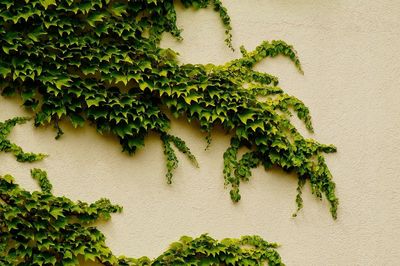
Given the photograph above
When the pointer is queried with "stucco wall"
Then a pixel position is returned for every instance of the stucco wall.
(350, 54)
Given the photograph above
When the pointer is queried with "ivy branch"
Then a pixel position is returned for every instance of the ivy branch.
(7, 146)
(41, 229)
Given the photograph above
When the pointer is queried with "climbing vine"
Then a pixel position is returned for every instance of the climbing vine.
(204, 250)
(100, 62)
(40, 228)
(7, 146)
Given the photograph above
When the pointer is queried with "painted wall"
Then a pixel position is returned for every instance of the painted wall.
(350, 54)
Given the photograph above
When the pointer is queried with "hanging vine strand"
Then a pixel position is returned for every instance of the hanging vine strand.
(100, 61)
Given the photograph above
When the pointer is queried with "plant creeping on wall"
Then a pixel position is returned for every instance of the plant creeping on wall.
(7, 146)
(39, 228)
(99, 62)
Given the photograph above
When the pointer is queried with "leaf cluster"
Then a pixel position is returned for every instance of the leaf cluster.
(100, 62)
(172, 160)
(7, 146)
(41, 229)
(204, 250)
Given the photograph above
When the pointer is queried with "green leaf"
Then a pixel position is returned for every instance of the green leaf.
(259, 124)
(94, 102)
(192, 98)
(118, 9)
(77, 120)
(95, 17)
(47, 3)
(5, 71)
(246, 115)
(56, 213)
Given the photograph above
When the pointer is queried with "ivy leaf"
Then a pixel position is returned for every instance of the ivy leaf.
(118, 9)
(56, 213)
(192, 98)
(62, 82)
(5, 71)
(95, 17)
(77, 120)
(280, 144)
(245, 116)
(47, 3)
(93, 102)
(259, 124)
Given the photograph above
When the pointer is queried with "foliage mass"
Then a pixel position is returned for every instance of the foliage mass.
(100, 62)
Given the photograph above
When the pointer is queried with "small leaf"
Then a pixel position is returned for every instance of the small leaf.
(77, 120)
(47, 3)
(245, 116)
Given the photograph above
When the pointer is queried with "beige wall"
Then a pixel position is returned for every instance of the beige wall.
(350, 53)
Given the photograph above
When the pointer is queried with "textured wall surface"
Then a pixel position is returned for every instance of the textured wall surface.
(350, 54)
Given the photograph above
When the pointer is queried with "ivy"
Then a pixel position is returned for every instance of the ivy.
(204, 250)
(42, 229)
(7, 146)
(172, 160)
(100, 62)
(39, 228)
(43, 181)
